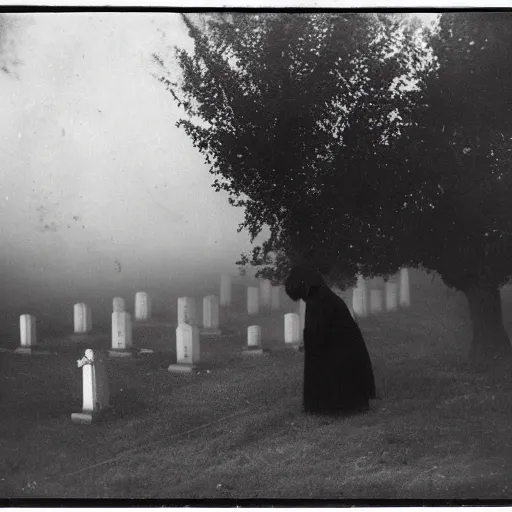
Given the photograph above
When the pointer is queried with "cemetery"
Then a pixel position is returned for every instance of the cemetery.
(175, 408)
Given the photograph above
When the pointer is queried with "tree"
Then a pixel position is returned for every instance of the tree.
(357, 149)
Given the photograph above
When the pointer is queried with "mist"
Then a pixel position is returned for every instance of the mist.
(101, 194)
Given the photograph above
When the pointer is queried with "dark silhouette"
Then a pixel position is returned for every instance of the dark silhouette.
(338, 374)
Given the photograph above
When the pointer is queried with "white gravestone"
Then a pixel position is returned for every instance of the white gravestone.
(253, 293)
(187, 348)
(392, 295)
(254, 341)
(142, 307)
(95, 387)
(405, 291)
(121, 334)
(210, 315)
(265, 293)
(225, 291)
(118, 305)
(376, 301)
(292, 329)
(82, 318)
(187, 312)
(360, 298)
(28, 334)
(275, 301)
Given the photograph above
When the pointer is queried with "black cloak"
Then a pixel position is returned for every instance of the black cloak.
(338, 374)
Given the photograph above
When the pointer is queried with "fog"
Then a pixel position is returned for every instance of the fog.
(101, 193)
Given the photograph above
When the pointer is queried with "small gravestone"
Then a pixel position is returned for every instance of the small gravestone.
(292, 336)
(118, 305)
(265, 293)
(95, 387)
(187, 312)
(28, 334)
(211, 316)
(121, 335)
(253, 299)
(376, 300)
(275, 301)
(360, 298)
(254, 341)
(187, 349)
(405, 291)
(142, 307)
(391, 294)
(82, 318)
(225, 291)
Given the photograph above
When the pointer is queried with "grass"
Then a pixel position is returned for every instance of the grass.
(237, 431)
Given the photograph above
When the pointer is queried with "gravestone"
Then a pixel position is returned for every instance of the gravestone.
(82, 318)
(28, 334)
(225, 291)
(142, 307)
(187, 349)
(210, 316)
(253, 298)
(95, 387)
(265, 293)
(121, 335)
(254, 341)
(360, 298)
(376, 300)
(292, 336)
(118, 305)
(275, 301)
(392, 294)
(405, 291)
(187, 312)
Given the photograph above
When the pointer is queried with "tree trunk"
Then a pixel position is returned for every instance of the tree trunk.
(490, 344)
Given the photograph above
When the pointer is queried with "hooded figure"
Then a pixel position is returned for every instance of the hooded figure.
(338, 375)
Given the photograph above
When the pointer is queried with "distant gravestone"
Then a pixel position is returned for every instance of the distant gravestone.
(187, 311)
(292, 330)
(82, 318)
(225, 291)
(265, 293)
(360, 298)
(187, 349)
(121, 334)
(253, 300)
(211, 316)
(275, 301)
(405, 292)
(118, 305)
(376, 301)
(392, 294)
(142, 307)
(254, 341)
(95, 387)
(28, 334)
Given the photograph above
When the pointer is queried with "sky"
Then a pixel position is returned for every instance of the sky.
(96, 178)
(99, 187)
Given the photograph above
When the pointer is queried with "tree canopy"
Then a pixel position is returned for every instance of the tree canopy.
(362, 142)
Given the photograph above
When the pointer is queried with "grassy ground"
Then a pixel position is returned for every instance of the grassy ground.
(236, 430)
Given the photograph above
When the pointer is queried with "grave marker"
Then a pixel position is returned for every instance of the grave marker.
(187, 312)
(95, 387)
(187, 349)
(121, 334)
(28, 334)
(254, 341)
(360, 298)
(211, 315)
(142, 307)
(405, 291)
(118, 305)
(82, 318)
(376, 300)
(265, 293)
(392, 294)
(292, 336)
(225, 291)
